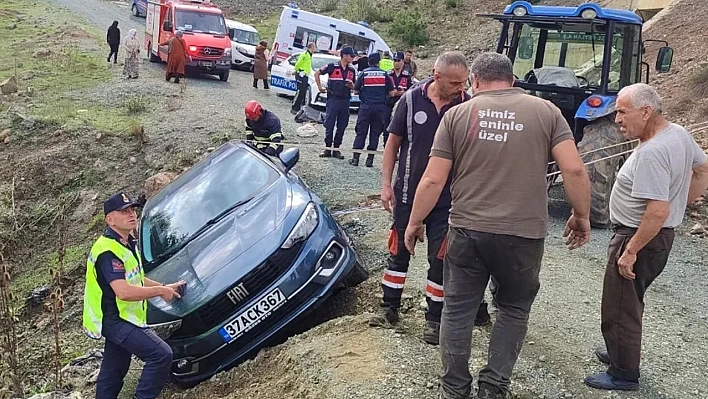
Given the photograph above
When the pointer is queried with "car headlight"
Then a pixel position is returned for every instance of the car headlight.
(227, 52)
(165, 330)
(304, 227)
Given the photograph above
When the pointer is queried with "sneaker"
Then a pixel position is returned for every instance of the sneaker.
(431, 334)
(489, 391)
(386, 315)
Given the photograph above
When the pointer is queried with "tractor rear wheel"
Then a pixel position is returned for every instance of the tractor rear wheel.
(598, 135)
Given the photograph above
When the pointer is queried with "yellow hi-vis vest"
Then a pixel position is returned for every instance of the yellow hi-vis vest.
(132, 312)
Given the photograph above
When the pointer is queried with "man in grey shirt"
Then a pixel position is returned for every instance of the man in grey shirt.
(667, 171)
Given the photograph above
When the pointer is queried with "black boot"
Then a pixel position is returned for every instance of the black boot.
(355, 159)
(265, 84)
(326, 154)
(337, 154)
(370, 160)
(255, 83)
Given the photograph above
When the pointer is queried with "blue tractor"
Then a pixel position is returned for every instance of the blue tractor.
(579, 58)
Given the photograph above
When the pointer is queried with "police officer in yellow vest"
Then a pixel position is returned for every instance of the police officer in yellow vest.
(115, 305)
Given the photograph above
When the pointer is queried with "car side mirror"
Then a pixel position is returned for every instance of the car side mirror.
(289, 158)
(167, 26)
(231, 34)
(664, 59)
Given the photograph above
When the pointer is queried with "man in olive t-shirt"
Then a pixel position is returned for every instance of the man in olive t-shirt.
(497, 147)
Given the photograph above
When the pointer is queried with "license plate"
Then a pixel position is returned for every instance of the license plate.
(250, 317)
(206, 63)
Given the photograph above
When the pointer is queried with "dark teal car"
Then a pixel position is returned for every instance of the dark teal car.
(257, 249)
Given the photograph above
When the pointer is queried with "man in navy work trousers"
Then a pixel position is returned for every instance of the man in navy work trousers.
(372, 86)
(402, 81)
(412, 131)
(339, 91)
(115, 305)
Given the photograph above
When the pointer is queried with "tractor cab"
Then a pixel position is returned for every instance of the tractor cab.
(576, 57)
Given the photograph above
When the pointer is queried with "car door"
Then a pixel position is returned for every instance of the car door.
(282, 80)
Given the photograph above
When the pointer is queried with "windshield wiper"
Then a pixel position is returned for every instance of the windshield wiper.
(163, 256)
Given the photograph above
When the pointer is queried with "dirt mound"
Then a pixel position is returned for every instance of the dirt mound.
(316, 364)
(683, 88)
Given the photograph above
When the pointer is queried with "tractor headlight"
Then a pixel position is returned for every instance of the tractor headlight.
(520, 11)
(304, 227)
(588, 13)
(165, 330)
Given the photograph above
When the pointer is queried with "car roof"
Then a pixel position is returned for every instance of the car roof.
(231, 24)
(559, 11)
(318, 55)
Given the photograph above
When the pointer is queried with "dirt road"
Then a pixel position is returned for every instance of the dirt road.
(345, 359)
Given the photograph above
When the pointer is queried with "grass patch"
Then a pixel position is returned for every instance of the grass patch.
(70, 115)
(328, 5)
(51, 51)
(368, 11)
(38, 274)
(409, 27)
(268, 27)
(62, 61)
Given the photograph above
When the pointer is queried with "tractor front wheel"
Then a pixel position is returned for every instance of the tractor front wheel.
(597, 136)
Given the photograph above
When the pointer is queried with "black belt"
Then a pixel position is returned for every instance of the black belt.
(616, 226)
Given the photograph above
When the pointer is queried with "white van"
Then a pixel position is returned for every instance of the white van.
(244, 39)
(298, 27)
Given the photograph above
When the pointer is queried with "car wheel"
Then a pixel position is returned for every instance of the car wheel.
(356, 276)
(308, 96)
(134, 9)
(153, 57)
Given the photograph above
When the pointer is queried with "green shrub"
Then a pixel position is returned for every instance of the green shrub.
(136, 105)
(409, 26)
(328, 5)
(452, 3)
(699, 81)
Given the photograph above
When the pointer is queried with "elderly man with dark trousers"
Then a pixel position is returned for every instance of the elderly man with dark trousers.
(373, 87)
(412, 130)
(402, 81)
(303, 67)
(264, 129)
(498, 218)
(115, 305)
(667, 171)
(340, 83)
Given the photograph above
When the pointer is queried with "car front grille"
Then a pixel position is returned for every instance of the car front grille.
(211, 51)
(256, 333)
(255, 282)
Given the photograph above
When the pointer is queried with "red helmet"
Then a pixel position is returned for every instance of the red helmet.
(253, 110)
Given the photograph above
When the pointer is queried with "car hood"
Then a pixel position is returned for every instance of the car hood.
(249, 49)
(207, 39)
(224, 254)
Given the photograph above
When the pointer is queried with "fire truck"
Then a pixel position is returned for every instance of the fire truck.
(205, 33)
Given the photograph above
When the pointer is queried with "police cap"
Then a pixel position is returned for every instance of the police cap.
(118, 202)
(374, 58)
(398, 55)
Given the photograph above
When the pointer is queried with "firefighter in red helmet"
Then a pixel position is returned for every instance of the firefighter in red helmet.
(263, 128)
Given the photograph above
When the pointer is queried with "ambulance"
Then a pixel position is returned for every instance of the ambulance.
(297, 28)
(205, 34)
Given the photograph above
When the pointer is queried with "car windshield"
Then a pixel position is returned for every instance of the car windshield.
(245, 37)
(202, 22)
(231, 178)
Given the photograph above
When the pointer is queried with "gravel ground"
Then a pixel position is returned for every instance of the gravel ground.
(345, 359)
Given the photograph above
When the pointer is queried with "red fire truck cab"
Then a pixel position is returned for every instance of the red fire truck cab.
(205, 34)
